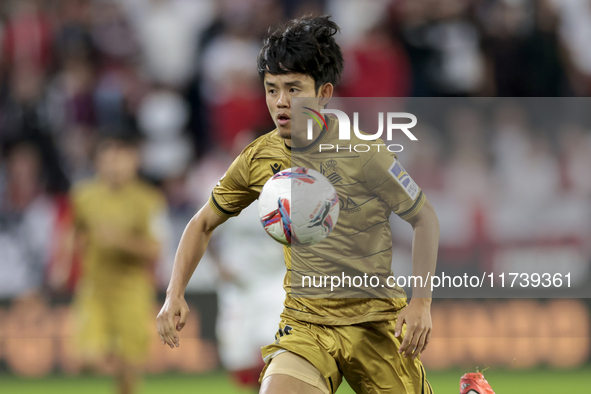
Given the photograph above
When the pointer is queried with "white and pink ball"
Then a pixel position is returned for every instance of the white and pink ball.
(298, 206)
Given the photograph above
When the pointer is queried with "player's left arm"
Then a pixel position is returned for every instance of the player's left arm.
(417, 315)
(386, 178)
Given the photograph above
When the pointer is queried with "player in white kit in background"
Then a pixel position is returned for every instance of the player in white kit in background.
(250, 293)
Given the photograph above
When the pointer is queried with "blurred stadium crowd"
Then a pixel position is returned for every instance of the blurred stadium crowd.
(182, 74)
(510, 183)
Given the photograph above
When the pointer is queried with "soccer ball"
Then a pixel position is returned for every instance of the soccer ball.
(298, 206)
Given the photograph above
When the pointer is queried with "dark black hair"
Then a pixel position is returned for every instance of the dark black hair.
(305, 45)
(107, 138)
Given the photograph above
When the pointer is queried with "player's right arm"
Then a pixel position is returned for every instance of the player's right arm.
(230, 196)
(190, 251)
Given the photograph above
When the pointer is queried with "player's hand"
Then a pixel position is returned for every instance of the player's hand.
(417, 316)
(167, 329)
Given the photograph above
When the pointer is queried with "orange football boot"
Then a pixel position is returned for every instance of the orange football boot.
(475, 383)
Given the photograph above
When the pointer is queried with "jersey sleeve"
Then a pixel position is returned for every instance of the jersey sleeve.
(388, 180)
(233, 192)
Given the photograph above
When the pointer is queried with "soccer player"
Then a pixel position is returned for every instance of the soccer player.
(373, 342)
(117, 219)
(250, 294)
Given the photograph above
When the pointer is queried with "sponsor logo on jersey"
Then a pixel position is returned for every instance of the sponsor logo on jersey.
(276, 167)
(398, 172)
(282, 332)
(349, 206)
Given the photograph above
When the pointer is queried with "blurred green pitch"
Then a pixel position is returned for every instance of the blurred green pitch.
(541, 381)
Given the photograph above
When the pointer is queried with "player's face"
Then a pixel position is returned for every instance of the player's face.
(117, 163)
(280, 89)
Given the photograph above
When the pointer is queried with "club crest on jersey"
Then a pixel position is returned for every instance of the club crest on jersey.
(398, 172)
(330, 171)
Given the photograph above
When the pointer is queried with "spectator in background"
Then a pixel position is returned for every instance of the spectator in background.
(120, 84)
(27, 223)
(24, 110)
(112, 33)
(575, 33)
(72, 113)
(467, 175)
(118, 220)
(168, 32)
(28, 37)
(526, 176)
(72, 30)
(25, 114)
(520, 152)
(522, 47)
(162, 117)
(443, 43)
(232, 89)
(377, 66)
(575, 158)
